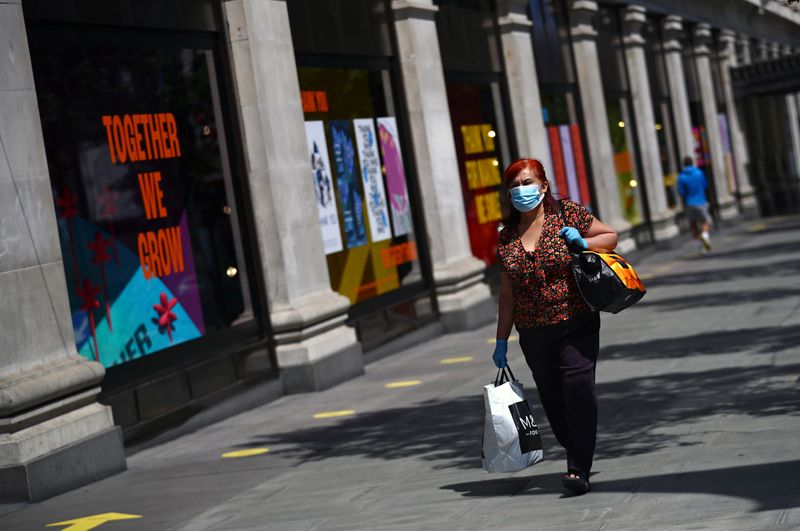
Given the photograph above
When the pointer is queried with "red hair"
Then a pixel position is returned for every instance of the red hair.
(536, 168)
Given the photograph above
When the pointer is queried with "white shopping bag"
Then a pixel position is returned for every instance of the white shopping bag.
(511, 439)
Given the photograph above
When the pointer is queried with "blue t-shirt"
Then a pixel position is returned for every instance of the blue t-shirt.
(692, 186)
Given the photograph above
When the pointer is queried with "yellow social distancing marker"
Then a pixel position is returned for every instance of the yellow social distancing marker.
(246, 453)
(90, 522)
(511, 339)
(332, 414)
(462, 359)
(407, 383)
(758, 227)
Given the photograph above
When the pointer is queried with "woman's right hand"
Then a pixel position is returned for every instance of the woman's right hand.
(500, 352)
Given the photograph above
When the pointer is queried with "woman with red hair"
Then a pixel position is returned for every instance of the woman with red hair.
(558, 333)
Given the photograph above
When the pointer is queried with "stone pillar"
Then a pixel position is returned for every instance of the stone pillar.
(54, 436)
(746, 52)
(313, 346)
(523, 82)
(702, 37)
(663, 220)
(464, 299)
(728, 60)
(673, 58)
(793, 121)
(774, 50)
(747, 58)
(762, 50)
(590, 85)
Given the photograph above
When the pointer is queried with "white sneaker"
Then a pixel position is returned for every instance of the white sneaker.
(706, 241)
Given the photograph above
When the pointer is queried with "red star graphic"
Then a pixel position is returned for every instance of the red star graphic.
(98, 246)
(67, 203)
(89, 295)
(107, 201)
(165, 315)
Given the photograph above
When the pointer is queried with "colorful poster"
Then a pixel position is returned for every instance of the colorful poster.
(372, 180)
(569, 163)
(350, 198)
(129, 263)
(323, 187)
(395, 176)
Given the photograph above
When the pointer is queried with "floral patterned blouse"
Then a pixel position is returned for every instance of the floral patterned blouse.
(544, 288)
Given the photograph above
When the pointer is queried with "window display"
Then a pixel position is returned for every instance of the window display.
(357, 172)
(145, 209)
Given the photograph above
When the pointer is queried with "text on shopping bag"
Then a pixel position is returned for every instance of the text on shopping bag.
(529, 438)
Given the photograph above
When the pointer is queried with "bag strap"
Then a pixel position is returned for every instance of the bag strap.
(502, 377)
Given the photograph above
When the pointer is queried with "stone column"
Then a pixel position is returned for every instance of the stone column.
(673, 58)
(744, 45)
(313, 346)
(728, 60)
(774, 50)
(54, 436)
(663, 220)
(725, 202)
(590, 85)
(762, 50)
(747, 58)
(464, 299)
(523, 82)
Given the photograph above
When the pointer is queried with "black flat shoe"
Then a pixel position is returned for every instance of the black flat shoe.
(576, 482)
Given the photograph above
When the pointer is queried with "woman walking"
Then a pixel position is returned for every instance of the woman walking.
(558, 332)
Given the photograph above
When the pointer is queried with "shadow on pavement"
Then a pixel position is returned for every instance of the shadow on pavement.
(637, 416)
(766, 340)
(773, 486)
(756, 252)
(730, 298)
(773, 269)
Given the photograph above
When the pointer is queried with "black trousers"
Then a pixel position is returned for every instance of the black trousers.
(562, 358)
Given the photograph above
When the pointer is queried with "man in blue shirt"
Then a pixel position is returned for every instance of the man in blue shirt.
(692, 185)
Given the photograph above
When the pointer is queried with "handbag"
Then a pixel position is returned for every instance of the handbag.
(511, 439)
(606, 281)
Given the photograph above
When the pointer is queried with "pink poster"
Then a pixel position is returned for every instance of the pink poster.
(395, 176)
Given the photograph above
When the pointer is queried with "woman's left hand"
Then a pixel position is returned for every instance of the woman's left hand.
(573, 238)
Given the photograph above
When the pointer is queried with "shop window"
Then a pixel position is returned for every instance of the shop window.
(619, 126)
(146, 211)
(566, 145)
(359, 178)
(482, 151)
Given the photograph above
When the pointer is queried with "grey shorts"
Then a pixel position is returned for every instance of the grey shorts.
(698, 214)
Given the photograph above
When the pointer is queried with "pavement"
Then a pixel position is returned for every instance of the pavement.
(699, 391)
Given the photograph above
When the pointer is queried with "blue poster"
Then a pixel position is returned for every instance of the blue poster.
(350, 199)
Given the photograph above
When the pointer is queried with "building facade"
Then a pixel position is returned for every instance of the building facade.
(256, 196)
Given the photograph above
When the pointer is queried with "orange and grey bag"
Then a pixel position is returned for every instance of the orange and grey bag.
(607, 282)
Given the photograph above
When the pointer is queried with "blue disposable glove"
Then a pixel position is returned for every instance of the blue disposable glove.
(573, 238)
(500, 351)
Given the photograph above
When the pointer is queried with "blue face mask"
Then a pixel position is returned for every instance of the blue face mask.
(526, 198)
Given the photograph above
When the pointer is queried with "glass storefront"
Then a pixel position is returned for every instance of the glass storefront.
(620, 116)
(359, 179)
(477, 100)
(146, 210)
(359, 169)
(560, 101)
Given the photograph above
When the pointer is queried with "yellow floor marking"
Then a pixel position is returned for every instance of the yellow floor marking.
(647, 276)
(510, 340)
(407, 383)
(90, 522)
(462, 359)
(332, 414)
(758, 228)
(246, 453)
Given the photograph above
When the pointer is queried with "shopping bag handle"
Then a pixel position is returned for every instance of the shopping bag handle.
(502, 377)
